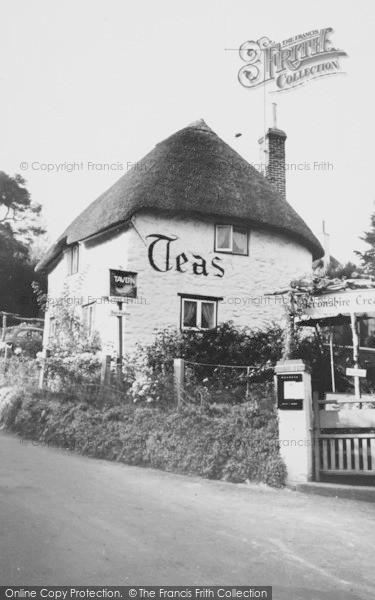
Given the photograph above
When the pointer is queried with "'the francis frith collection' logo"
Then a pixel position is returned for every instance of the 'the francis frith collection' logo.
(290, 63)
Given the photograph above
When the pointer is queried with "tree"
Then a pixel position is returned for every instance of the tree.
(17, 211)
(368, 256)
(347, 271)
(20, 227)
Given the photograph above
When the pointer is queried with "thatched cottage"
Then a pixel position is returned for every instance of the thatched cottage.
(192, 236)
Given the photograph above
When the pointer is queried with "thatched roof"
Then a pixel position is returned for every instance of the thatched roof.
(191, 172)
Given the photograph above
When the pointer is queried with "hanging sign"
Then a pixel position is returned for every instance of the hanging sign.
(350, 301)
(118, 313)
(122, 284)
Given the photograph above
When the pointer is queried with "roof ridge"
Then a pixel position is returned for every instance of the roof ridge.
(201, 125)
(191, 171)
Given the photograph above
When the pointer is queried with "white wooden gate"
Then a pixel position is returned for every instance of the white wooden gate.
(337, 452)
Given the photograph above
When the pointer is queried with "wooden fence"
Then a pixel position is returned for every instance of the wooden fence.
(344, 435)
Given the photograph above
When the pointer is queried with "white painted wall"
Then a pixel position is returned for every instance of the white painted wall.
(273, 260)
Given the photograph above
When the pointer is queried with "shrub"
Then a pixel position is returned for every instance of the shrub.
(226, 345)
(74, 354)
(19, 371)
(149, 387)
(218, 442)
(71, 369)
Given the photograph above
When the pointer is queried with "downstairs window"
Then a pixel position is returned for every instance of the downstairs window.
(198, 312)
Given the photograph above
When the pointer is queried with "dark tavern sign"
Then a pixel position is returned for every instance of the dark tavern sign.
(122, 284)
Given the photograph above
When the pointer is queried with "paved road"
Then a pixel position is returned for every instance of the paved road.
(70, 520)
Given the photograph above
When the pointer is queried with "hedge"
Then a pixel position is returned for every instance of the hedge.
(232, 443)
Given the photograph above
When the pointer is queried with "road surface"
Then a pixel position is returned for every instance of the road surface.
(71, 520)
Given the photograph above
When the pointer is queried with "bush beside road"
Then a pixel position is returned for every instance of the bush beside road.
(232, 443)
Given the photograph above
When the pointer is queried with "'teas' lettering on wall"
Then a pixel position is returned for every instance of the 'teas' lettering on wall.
(181, 262)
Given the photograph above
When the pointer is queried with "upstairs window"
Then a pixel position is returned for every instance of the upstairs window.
(73, 259)
(198, 312)
(231, 239)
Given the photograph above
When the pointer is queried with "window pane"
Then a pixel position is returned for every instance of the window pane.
(190, 313)
(91, 319)
(239, 241)
(74, 259)
(208, 312)
(223, 237)
(88, 318)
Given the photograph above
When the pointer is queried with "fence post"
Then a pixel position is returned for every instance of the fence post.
(316, 435)
(247, 383)
(179, 378)
(105, 374)
(46, 354)
(7, 354)
(4, 327)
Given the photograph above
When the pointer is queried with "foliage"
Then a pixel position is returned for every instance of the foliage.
(368, 256)
(40, 296)
(236, 444)
(310, 349)
(74, 355)
(19, 228)
(16, 276)
(19, 372)
(227, 345)
(149, 386)
(322, 281)
(347, 271)
(18, 213)
(28, 347)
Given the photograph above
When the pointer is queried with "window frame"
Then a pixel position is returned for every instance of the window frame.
(88, 323)
(199, 301)
(73, 259)
(52, 327)
(230, 250)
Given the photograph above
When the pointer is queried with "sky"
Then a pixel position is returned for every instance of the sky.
(101, 82)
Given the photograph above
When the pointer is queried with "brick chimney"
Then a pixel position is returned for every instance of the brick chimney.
(273, 156)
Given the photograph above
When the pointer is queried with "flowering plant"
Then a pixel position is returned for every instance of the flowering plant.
(74, 355)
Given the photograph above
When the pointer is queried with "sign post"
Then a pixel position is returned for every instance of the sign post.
(333, 381)
(353, 322)
(119, 314)
(119, 358)
(122, 284)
